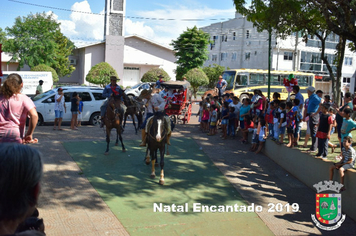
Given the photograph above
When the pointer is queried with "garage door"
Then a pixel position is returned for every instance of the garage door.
(131, 76)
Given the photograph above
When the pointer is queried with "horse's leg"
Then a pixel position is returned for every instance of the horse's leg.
(107, 140)
(161, 179)
(125, 117)
(147, 157)
(167, 150)
(122, 144)
(133, 121)
(153, 172)
(156, 157)
(117, 137)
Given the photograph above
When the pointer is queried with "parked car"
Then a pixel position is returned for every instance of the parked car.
(91, 96)
(137, 89)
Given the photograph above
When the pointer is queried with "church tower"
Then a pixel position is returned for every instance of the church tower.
(114, 35)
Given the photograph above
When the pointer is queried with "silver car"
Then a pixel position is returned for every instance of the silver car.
(137, 89)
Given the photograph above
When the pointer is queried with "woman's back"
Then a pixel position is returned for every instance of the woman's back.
(13, 114)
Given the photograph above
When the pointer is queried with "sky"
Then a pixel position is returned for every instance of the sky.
(84, 28)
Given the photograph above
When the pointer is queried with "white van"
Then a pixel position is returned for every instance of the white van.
(91, 97)
(31, 80)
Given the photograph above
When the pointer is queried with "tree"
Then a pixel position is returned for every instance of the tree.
(43, 67)
(152, 75)
(36, 39)
(2, 36)
(213, 74)
(287, 16)
(190, 50)
(196, 77)
(100, 74)
(340, 16)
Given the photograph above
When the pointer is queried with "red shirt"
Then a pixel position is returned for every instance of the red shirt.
(249, 126)
(323, 135)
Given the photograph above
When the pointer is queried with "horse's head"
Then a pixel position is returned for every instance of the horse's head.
(158, 129)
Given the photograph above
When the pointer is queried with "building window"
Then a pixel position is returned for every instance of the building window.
(247, 55)
(233, 35)
(288, 56)
(234, 56)
(223, 56)
(224, 38)
(348, 61)
(247, 34)
(214, 57)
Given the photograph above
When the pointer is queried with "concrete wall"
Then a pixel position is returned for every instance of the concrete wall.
(311, 170)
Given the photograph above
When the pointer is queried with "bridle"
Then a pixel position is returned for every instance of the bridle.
(156, 131)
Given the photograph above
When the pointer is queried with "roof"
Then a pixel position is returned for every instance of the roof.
(176, 84)
(150, 41)
(89, 45)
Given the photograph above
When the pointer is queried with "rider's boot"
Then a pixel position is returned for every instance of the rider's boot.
(169, 138)
(143, 143)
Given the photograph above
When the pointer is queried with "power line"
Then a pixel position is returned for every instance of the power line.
(128, 17)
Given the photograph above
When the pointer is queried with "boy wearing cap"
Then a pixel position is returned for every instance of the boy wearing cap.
(39, 89)
(59, 107)
(109, 89)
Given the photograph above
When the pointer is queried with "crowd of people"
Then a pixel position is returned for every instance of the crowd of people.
(277, 120)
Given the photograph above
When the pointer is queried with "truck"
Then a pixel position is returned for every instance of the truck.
(31, 80)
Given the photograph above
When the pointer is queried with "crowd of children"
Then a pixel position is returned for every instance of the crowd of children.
(263, 119)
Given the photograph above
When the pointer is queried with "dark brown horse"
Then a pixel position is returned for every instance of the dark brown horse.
(156, 140)
(134, 109)
(113, 119)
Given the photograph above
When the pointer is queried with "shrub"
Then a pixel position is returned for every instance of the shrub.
(196, 77)
(43, 67)
(100, 74)
(152, 75)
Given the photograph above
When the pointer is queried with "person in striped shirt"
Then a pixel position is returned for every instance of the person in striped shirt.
(347, 162)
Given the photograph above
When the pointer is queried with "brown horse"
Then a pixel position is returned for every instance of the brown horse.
(134, 108)
(156, 140)
(113, 120)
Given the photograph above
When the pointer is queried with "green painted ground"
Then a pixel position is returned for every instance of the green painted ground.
(122, 180)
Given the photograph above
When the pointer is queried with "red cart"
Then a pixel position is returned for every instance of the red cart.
(179, 106)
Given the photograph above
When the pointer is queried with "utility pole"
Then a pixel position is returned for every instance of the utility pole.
(269, 63)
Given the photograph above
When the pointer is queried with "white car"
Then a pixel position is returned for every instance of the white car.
(91, 97)
(137, 89)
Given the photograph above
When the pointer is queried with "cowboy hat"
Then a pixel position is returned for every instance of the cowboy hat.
(160, 76)
(113, 78)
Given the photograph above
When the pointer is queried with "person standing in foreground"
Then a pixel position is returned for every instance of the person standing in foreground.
(74, 109)
(313, 106)
(14, 109)
(39, 89)
(59, 107)
(21, 171)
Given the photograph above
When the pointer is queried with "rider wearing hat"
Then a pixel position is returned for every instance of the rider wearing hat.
(158, 83)
(109, 89)
(154, 103)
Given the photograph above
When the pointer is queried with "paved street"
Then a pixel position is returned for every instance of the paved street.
(71, 206)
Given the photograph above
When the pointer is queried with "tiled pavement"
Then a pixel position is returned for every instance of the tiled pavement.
(71, 206)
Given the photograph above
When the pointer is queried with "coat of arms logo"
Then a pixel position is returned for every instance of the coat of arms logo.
(328, 205)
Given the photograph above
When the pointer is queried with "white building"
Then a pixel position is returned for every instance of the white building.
(237, 44)
(140, 55)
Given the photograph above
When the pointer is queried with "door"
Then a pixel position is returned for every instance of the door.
(89, 105)
(131, 76)
(47, 110)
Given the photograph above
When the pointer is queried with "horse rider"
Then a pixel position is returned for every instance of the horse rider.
(109, 89)
(154, 103)
(159, 81)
